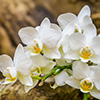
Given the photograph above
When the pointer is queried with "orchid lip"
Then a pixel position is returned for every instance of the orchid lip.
(35, 48)
(86, 85)
(86, 53)
(11, 78)
(36, 72)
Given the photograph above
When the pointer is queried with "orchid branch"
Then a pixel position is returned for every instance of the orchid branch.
(36, 77)
(54, 72)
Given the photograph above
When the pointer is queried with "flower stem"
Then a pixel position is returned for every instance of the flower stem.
(55, 72)
(36, 77)
(85, 96)
(51, 73)
(65, 67)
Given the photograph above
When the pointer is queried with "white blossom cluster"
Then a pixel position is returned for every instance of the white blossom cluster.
(68, 53)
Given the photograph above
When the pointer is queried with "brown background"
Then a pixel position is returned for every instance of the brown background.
(15, 14)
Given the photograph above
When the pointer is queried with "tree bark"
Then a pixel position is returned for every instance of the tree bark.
(15, 14)
(16, 92)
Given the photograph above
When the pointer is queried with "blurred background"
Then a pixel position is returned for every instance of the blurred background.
(15, 14)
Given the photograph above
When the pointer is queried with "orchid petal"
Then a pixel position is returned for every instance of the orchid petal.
(37, 28)
(19, 51)
(45, 65)
(84, 11)
(65, 19)
(55, 27)
(95, 93)
(73, 82)
(51, 38)
(23, 65)
(27, 88)
(80, 70)
(25, 79)
(86, 20)
(5, 61)
(45, 25)
(96, 79)
(38, 60)
(50, 79)
(90, 32)
(10, 71)
(54, 86)
(39, 43)
(8, 80)
(28, 34)
(77, 41)
(72, 54)
(61, 62)
(95, 58)
(27, 51)
(61, 77)
(64, 43)
(95, 45)
(69, 29)
(51, 52)
(84, 60)
(49, 66)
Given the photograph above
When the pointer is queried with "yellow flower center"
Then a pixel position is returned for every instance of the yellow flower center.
(86, 85)
(9, 75)
(36, 71)
(86, 53)
(35, 48)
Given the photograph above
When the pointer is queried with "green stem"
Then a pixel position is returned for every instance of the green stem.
(58, 72)
(51, 73)
(39, 78)
(85, 96)
(64, 67)
(54, 72)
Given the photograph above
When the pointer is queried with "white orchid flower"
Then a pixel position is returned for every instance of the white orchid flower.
(62, 76)
(59, 79)
(41, 66)
(42, 39)
(85, 79)
(63, 42)
(62, 61)
(79, 22)
(85, 46)
(19, 68)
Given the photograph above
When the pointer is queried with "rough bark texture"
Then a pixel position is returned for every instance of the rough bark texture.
(15, 14)
(16, 92)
